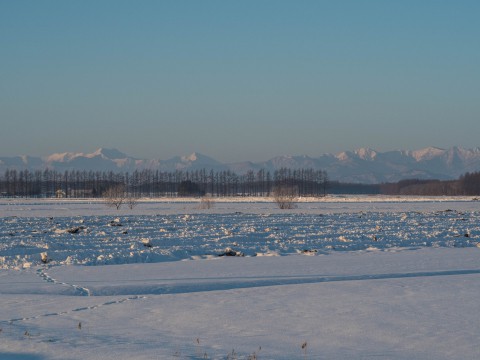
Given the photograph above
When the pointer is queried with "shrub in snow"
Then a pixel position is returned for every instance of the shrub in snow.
(131, 201)
(206, 203)
(285, 196)
(304, 348)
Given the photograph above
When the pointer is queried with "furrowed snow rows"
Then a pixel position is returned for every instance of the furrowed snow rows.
(98, 240)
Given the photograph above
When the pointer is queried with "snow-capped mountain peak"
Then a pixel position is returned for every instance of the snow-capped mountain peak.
(362, 154)
(366, 153)
(343, 156)
(62, 157)
(108, 154)
(198, 158)
(427, 153)
(190, 158)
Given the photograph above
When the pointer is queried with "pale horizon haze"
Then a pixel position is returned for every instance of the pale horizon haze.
(237, 80)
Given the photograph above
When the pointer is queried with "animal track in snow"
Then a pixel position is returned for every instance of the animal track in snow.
(92, 307)
(78, 289)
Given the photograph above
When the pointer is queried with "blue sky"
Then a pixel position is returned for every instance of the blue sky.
(238, 80)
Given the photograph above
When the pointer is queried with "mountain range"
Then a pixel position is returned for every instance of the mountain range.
(363, 165)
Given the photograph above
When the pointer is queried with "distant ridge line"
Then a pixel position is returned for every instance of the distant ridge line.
(363, 165)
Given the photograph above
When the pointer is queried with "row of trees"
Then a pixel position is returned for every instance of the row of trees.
(468, 184)
(151, 183)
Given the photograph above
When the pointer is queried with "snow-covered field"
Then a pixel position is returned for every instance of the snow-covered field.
(346, 277)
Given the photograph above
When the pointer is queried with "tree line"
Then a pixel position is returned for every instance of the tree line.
(467, 185)
(154, 183)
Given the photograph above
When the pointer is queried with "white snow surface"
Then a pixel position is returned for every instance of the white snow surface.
(388, 278)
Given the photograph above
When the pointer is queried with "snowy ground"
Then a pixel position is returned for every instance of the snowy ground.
(392, 278)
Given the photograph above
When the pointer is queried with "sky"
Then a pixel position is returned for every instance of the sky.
(238, 80)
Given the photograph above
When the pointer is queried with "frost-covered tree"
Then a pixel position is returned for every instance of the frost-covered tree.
(285, 196)
(115, 196)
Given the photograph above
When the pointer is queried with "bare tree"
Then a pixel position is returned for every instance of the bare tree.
(206, 202)
(115, 196)
(131, 201)
(285, 196)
